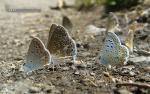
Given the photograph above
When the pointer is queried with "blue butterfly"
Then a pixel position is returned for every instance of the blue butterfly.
(113, 52)
(37, 56)
(59, 44)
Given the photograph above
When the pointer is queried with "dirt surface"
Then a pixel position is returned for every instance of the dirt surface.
(89, 77)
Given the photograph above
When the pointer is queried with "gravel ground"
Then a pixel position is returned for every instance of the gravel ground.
(89, 77)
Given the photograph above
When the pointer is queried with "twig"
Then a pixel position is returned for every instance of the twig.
(141, 85)
(143, 52)
(92, 82)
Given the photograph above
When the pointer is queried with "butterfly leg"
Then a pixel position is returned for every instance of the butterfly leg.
(58, 66)
(53, 66)
(74, 54)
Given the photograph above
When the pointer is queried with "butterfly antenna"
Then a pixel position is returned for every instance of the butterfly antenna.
(53, 66)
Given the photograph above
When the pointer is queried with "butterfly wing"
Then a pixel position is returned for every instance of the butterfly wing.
(129, 40)
(113, 52)
(67, 23)
(60, 42)
(37, 56)
(123, 54)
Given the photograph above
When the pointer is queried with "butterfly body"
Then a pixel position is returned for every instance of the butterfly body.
(113, 52)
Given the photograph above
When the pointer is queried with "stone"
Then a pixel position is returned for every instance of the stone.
(34, 89)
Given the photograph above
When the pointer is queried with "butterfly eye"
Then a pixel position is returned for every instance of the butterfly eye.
(73, 50)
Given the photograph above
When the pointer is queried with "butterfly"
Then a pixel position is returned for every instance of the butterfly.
(66, 22)
(113, 52)
(37, 56)
(59, 44)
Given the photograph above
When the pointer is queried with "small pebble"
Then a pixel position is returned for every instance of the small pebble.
(85, 54)
(146, 68)
(86, 46)
(34, 90)
(18, 58)
(92, 74)
(65, 68)
(48, 89)
(77, 73)
(73, 67)
(132, 73)
(124, 91)
(93, 30)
